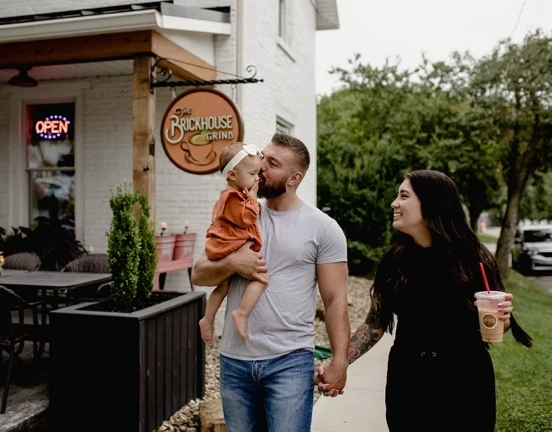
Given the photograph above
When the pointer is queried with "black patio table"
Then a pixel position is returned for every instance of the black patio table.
(24, 281)
(10, 272)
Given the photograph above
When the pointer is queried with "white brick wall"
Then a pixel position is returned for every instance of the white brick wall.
(107, 151)
(287, 91)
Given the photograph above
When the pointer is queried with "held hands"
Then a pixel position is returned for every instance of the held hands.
(249, 264)
(331, 379)
(505, 307)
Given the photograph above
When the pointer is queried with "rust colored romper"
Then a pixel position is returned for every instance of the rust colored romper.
(233, 223)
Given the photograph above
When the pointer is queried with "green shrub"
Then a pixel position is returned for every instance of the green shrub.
(147, 254)
(131, 248)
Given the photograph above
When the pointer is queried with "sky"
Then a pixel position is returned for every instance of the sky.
(408, 28)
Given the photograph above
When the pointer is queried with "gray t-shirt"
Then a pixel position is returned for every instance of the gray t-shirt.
(294, 242)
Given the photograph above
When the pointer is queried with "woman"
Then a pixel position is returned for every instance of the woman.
(440, 375)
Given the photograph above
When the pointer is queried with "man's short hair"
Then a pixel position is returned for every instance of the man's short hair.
(295, 145)
(228, 153)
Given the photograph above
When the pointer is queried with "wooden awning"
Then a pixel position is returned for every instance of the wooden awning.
(102, 47)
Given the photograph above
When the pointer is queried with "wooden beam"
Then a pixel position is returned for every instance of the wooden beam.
(113, 46)
(143, 119)
(183, 63)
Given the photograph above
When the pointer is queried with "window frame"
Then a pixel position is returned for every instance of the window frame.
(283, 126)
(19, 99)
(283, 21)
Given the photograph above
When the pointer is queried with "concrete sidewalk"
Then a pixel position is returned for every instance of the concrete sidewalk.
(362, 406)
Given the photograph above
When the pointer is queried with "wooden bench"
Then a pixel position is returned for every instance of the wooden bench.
(165, 267)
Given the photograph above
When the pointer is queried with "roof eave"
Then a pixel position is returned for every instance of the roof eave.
(108, 23)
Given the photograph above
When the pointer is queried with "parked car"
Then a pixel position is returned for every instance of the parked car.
(532, 250)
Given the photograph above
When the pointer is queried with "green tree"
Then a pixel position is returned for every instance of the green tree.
(461, 142)
(359, 160)
(385, 122)
(536, 204)
(512, 86)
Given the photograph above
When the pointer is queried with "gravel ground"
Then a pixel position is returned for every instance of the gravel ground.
(187, 418)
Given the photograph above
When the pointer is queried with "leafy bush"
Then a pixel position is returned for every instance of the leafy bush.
(385, 122)
(131, 248)
(147, 255)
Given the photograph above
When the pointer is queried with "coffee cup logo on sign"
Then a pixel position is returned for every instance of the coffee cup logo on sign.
(197, 126)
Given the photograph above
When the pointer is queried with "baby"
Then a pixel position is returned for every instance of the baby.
(233, 223)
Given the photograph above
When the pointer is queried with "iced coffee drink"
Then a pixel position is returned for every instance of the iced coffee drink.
(491, 326)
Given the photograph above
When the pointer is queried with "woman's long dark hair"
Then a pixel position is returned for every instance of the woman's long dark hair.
(445, 217)
(451, 235)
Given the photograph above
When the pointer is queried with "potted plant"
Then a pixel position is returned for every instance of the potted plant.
(136, 358)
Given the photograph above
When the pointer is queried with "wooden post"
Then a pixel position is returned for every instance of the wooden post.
(143, 122)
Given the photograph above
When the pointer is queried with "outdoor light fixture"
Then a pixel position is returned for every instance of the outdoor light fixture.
(22, 79)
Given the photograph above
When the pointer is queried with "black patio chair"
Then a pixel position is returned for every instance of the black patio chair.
(30, 261)
(12, 336)
(26, 261)
(89, 263)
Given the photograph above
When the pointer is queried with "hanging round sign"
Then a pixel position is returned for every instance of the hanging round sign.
(195, 128)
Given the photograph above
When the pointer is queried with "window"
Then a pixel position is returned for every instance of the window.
(50, 166)
(283, 126)
(282, 23)
(538, 235)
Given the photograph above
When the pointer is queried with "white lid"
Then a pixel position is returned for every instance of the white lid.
(493, 295)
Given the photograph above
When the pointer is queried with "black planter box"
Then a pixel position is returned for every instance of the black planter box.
(125, 371)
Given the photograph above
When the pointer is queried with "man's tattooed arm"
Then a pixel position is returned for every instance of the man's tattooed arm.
(365, 337)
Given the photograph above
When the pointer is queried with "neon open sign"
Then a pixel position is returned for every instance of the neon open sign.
(52, 127)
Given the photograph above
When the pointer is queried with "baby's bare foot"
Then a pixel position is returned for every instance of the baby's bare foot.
(240, 319)
(207, 329)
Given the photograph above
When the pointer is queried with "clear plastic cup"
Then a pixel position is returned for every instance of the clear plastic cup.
(492, 328)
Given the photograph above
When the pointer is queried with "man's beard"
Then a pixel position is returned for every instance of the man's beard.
(267, 190)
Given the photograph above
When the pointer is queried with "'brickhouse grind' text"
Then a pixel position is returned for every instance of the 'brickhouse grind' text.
(213, 126)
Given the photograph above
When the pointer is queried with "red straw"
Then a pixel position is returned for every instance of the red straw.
(484, 277)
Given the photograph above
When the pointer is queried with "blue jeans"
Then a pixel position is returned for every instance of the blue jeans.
(274, 395)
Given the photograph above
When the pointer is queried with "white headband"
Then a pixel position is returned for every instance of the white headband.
(247, 150)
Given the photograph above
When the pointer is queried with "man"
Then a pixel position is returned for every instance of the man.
(267, 380)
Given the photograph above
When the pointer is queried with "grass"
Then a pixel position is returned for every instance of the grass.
(524, 376)
(486, 238)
